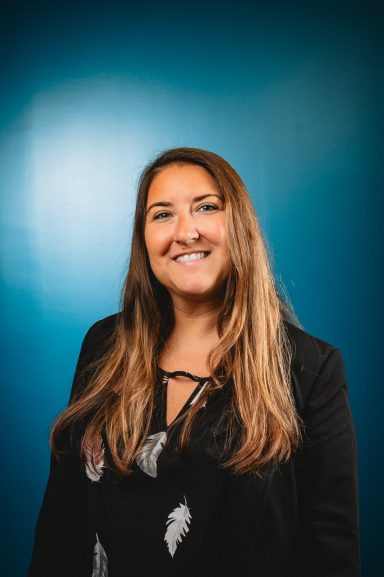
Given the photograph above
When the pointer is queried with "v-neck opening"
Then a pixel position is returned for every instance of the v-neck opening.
(193, 396)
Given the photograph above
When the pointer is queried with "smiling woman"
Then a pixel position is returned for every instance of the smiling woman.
(185, 233)
(206, 433)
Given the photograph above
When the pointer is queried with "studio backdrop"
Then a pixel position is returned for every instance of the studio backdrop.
(288, 92)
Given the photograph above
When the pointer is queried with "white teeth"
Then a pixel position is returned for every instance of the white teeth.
(192, 256)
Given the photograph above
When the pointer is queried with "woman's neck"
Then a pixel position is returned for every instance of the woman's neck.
(195, 321)
(193, 337)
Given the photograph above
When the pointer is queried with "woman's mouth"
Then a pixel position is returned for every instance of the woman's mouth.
(191, 256)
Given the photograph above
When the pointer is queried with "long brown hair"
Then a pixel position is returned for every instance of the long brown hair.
(254, 350)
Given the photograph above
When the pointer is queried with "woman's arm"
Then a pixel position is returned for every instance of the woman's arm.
(60, 547)
(328, 538)
(60, 537)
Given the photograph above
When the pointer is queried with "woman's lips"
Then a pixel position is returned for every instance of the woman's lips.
(191, 257)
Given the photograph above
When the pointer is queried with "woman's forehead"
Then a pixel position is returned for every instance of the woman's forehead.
(182, 179)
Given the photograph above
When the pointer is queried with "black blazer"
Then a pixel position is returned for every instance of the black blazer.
(304, 515)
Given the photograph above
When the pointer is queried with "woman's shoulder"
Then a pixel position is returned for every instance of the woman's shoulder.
(307, 348)
(95, 344)
(102, 330)
(317, 367)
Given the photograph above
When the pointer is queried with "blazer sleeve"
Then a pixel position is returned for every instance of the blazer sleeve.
(60, 535)
(326, 476)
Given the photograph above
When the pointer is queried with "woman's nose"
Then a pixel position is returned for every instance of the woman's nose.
(185, 229)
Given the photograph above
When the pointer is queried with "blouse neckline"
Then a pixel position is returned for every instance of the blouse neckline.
(186, 374)
(200, 386)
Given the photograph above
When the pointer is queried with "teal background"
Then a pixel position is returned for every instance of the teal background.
(290, 93)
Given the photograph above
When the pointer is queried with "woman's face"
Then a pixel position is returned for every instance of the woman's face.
(186, 233)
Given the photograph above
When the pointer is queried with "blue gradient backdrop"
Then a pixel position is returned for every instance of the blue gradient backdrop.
(289, 93)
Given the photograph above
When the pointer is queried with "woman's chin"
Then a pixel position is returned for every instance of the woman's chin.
(194, 292)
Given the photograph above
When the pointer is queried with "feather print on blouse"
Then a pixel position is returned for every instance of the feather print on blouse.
(94, 466)
(100, 560)
(177, 526)
(147, 457)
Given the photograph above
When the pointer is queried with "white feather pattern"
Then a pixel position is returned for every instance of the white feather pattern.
(147, 457)
(94, 469)
(177, 526)
(100, 560)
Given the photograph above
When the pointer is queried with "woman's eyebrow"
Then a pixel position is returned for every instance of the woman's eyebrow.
(195, 199)
(158, 203)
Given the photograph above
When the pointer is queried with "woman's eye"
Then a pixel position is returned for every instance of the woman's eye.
(207, 207)
(161, 215)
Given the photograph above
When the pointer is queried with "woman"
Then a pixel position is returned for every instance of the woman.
(206, 434)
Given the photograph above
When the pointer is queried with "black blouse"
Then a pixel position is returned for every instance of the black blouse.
(181, 514)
